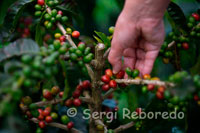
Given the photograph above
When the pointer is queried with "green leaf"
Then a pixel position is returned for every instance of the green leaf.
(104, 38)
(38, 34)
(4, 5)
(16, 11)
(177, 16)
(98, 39)
(19, 47)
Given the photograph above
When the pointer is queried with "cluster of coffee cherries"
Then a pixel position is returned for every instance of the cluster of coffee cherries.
(50, 94)
(74, 100)
(133, 73)
(108, 79)
(25, 26)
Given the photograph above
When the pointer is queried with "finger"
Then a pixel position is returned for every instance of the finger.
(129, 58)
(115, 57)
(149, 60)
(140, 53)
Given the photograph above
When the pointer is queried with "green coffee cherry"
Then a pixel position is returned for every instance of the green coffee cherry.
(38, 7)
(47, 16)
(49, 25)
(58, 17)
(81, 47)
(26, 59)
(56, 44)
(111, 29)
(79, 53)
(53, 12)
(64, 19)
(64, 119)
(73, 56)
(72, 50)
(87, 51)
(63, 50)
(128, 71)
(38, 13)
(135, 73)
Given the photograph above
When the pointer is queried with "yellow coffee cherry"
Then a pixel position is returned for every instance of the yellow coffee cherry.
(155, 78)
(57, 35)
(45, 23)
(137, 78)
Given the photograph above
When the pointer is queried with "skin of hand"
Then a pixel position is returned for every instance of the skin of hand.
(138, 36)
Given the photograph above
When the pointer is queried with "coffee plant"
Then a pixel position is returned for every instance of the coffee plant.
(47, 69)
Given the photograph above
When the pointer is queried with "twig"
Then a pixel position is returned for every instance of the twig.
(142, 82)
(171, 44)
(107, 93)
(105, 56)
(123, 127)
(58, 125)
(62, 29)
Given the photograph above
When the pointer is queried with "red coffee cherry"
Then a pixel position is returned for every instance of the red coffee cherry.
(70, 125)
(79, 87)
(46, 112)
(77, 102)
(76, 94)
(150, 87)
(40, 117)
(60, 12)
(120, 74)
(47, 95)
(161, 89)
(42, 124)
(61, 94)
(48, 119)
(185, 46)
(40, 2)
(105, 78)
(62, 39)
(196, 16)
(105, 87)
(113, 84)
(138, 110)
(108, 72)
(75, 34)
(196, 98)
(86, 84)
(68, 102)
(40, 111)
(159, 95)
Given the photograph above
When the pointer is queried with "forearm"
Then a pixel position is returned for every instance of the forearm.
(145, 8)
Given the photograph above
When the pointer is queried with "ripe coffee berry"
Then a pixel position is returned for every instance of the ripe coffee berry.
(105, 87)
(161, 89)
(77, 102)
(60, 12)
(196, 16)
(68, 102)
(40, 2)
(159, 95)
(113, 84)
(47, 95)
(40, 111)
(105, 78)
(86, 84)
(196, 98)
(62, 39)
(108, 72)
(70, 125)
(76, 94)
(146, 76)
(46, 112)
(185, 46)
(120, 74)
(79, 87)
(61, 94)
(42, 124)
(150, 87)
(55, 90)
(48, 119)
(138, 110)
(75, 34)
(40, 117)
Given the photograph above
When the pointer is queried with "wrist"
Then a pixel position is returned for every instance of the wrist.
(138, 9)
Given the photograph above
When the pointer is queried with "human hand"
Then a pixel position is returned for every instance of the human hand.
(137, 38)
